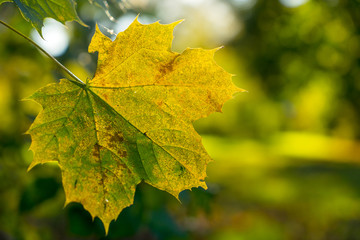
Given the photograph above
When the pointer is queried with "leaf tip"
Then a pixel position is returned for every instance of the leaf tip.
(177, 22)
(177, 197)
(136, 20)
(97, 29)
(67, 202)
(29, 98)
(240, 90)
(218, 48)
(203, 185)
(31, 166)
(106, 226)
(82, 23)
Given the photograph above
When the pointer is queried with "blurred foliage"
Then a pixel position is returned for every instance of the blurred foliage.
(286, 153)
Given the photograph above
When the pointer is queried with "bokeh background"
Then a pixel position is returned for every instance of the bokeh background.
(286, 153)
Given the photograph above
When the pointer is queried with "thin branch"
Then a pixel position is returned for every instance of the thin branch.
(45, 52)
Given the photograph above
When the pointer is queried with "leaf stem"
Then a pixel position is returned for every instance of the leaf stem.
(45, 52)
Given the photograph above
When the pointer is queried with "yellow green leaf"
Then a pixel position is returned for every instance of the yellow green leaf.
(132, 122)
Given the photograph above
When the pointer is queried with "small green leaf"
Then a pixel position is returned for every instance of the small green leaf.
(36, 11)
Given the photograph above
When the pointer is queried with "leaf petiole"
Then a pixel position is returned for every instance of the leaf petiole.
(78, 80)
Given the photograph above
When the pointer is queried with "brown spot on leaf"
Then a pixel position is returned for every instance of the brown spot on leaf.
(165, 69)
(117, 137)
(123, 154)
(106, 96)
(159, 103)
(212, 101)
(116, 143)
(96, 151)
(121, 164)
(115, 140)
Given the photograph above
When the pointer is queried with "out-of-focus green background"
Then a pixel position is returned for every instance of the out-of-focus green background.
(286, 153)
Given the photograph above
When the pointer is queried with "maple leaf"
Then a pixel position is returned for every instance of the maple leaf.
(132, 122)
(36, 11)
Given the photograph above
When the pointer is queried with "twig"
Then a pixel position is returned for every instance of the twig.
(45, 52)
